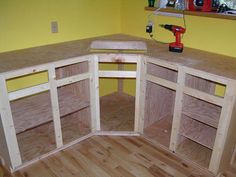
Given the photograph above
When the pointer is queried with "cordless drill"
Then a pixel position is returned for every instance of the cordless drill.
(176, 46)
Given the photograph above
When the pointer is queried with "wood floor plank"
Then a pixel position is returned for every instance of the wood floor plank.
(106, 156)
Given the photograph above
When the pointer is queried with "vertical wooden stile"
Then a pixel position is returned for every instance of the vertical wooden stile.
(55, 106)
(8, 125)
(94, 94)
(140, 94)
(223, 128)
(177, 109)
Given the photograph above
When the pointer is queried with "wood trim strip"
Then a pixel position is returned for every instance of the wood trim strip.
(117, 74)
(55, 106)
(8, 125)
(204, 96)
(72, 79)
(28, 91)
(162, 64)
(162, 82)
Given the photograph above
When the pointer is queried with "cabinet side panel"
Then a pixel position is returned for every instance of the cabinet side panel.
(159, 103)
(4, 153)
(230, 142)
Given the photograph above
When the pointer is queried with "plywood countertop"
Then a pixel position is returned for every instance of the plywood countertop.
(213, 63)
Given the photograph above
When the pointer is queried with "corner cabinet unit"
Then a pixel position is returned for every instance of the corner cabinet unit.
(183, 113)
(176, 106)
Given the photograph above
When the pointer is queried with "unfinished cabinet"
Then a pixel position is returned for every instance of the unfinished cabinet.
(160, 99)
(184, 113)
(41, 119)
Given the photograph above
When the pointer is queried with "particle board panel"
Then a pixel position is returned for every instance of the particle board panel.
(159, 103)
(160, 131)
(195, 152)
(201, 110)
(198, 132)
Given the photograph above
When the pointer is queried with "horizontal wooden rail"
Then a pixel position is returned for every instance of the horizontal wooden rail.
(162, 82)
(72, 79)
(44, 87)
(118, 74)
(204, 96)
(28, 91)
(162, 63)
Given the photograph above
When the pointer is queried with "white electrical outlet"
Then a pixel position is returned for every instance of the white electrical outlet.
(54, 27)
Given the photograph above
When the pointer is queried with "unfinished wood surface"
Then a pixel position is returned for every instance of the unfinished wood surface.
(118, 45)
(36, 110)
(41, 140)
(201, 110)
(162, 72)
(117, 112)
(159, 103)
(195, 152)
(9, 140)
(226, 134)
(71, 70)
(112, 156)
(160, 131)
(200, 84)
(198, 132)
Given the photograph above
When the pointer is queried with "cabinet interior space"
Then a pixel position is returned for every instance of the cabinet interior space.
(117, 109)
(74, 103)
(201, 84)
(193, 151)
(159, 105)
(117, 112)
(201, 111)
(32, 117)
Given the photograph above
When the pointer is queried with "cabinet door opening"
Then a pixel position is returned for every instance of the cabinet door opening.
(32, 117)
(159, 110)
(117, 109)
(74, 101)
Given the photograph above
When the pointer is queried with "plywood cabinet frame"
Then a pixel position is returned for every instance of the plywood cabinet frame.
(14, 160)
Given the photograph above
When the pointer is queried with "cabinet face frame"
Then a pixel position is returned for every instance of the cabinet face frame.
(228, 102)
(13, 158)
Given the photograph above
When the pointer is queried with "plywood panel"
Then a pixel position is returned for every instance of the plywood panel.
(35, 110)
(160, 131)
(200, 84)
(159, 103)
(117, 112)
(195, 152)
(162, 72)
(198, 132)
(201, 110)
(41, 140)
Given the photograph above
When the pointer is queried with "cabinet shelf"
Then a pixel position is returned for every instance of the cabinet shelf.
(194, 151)
(198, 132)
(193, 13)
(35, 110)
(202, 111)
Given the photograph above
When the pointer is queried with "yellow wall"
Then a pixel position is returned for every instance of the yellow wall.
(210, 34)
(26, 23)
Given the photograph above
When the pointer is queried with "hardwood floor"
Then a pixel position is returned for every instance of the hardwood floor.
(106, 156)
